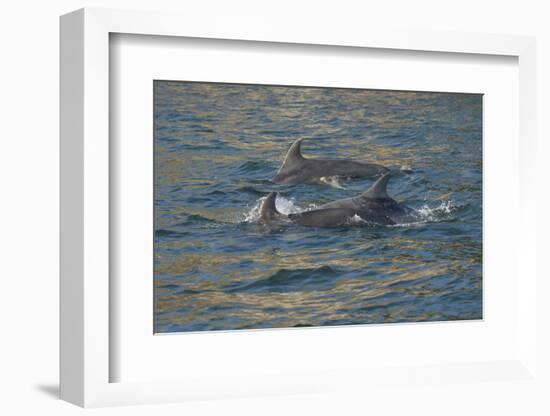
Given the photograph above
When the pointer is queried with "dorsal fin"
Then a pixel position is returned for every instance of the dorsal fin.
(295, 150)
(293, 161)
(379, 189)
(294, 153)
(269, 210)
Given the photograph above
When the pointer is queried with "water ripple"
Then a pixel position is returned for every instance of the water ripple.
(218, 145)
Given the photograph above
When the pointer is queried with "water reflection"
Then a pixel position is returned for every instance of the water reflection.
(216, 146)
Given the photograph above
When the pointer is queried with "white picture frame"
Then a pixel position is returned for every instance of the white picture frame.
(86, 356)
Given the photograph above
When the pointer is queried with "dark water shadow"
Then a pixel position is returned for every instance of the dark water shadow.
(51, 390)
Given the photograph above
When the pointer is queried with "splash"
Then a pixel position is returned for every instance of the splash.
(356, 220)
(441, 212)
(283, 205)
(333, 181)
(420, 216)
(426, 214)
(406, 169)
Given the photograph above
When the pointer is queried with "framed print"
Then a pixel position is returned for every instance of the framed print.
(280, 213)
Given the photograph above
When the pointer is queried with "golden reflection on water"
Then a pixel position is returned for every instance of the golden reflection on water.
(300, 306)
(230, 124)
(256, 308)
(206, 156)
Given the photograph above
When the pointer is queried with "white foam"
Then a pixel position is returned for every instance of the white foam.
(439, 212)
(333, 181)
(356, 220)
(426, 214)
(422, 215)
(283, 205)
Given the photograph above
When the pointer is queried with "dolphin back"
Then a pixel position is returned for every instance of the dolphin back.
(337, 217)
(297, 169)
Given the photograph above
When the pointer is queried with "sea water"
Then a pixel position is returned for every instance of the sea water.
(216, 267)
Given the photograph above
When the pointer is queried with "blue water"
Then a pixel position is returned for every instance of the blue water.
(218, 268)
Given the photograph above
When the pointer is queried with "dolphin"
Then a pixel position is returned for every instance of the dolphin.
(327, 217)
(298, 169)
(376, 201)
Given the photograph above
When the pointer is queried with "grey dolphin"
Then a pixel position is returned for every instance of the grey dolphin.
(298, 169)
(377, 201)
(268, 211)
(329, 217)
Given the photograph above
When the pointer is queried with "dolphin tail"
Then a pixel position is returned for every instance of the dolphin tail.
(269, 210)
(379, 189)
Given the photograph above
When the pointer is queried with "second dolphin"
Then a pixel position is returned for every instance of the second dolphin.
(298, 169)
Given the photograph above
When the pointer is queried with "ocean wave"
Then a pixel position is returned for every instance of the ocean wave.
(249, 190)
(285, 279)
(195, 218)
(252, 166)
(166, 233)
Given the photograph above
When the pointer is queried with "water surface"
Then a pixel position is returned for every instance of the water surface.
(217, 268)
